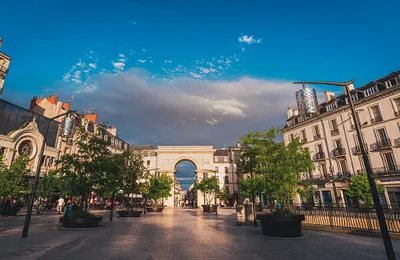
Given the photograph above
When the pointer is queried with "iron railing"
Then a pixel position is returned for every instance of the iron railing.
(339, 152)
(319, 156)
(386, 171)
(335, 131)
(376, 119)
(343, 217)
(357, 149)
(316, 137)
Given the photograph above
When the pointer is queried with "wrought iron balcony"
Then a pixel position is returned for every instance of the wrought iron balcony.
(384, 144)
(335, 131)
(386, 171)
(315, 178)
(357, 149)
(339, 152)
(376, 119)
(316, 137)
(319, 156)
(341, 176)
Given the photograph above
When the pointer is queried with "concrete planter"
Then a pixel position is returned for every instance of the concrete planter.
(81, 222)
(281, 226)
(129, 213)
(159, 209)
(210, 208)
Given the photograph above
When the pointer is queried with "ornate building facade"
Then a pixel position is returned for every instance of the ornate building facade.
(330, 137)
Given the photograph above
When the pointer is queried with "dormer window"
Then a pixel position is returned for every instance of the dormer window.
(370, 91)
(106, 138)
(112, 141)
(332, 106)
(393, 82)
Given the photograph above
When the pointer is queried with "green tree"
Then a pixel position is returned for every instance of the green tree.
(248, 186)
(134, 178)
(306, 192)
(160, 187)
(280, 166)
(12, 180)
(209, 187)
(82, 171)
(49, 184)
(359, 189)
(225, 195)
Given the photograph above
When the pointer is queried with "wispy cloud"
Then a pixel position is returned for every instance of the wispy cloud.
(118, 65)
(249, 39)
(132, 22)
(142, 61)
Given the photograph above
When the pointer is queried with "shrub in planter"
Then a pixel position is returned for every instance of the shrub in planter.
(210, 208)
(12, 211)
(210, 189)
(81, 219)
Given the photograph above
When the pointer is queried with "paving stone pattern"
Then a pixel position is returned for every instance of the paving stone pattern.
(177, 234)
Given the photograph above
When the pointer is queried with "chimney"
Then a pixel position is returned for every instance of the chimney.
(295, 112)
(52, 99)
(351, 88)
(92, 117)
(328, 95)
(67, 106)
(289, 112)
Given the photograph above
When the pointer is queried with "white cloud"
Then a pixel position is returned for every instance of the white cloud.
(121, 55)
(93, 65)
(249, 39)
(142, 61)
(119, 65)
(143, 50)
(168, 61)
(243, 49)
(213, 112)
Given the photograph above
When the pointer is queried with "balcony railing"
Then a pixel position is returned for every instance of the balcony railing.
(382, 144)
(357, 149)
(386, 171)
(335, 131)
(342, 176)
(316, 137)
(319, 156)
(315, 178)
(376, 119)
(339, 152)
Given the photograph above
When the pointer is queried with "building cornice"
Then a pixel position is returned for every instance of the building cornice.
(385, 93)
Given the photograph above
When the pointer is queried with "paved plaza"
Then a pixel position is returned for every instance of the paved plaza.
(176, 234)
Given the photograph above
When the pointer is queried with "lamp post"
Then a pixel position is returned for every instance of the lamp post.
(37, 175)
(378, 207)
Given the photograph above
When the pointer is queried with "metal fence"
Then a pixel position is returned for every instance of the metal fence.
(354, 218)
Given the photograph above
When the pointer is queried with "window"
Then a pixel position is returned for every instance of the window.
(334, 127)
(354, 97)
(126, 146)
(317, 134)
(319, 148)
(396, 103)
(338, 144)
(120, 144)
(225, 158)
(324, 170)
(148, 163)
(376, 114)
(332, 106)
(362, 165)
(216, 169)
(226, 169)
(2, 152)
(370, 91)
(226, 180)
(112, 141)
(389, 161)
(343, 166)
(381, 135)
(106, 138)
(394, 82)
(215, 158)
(303, 135)
(291, 137)
(25, 148)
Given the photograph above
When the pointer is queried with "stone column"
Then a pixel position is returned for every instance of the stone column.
(389, 205)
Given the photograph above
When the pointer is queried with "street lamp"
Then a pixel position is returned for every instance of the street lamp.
(37, 174)
(379, 210)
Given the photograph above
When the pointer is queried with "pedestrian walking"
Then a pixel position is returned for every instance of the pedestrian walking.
(6, 205)
(68, 209)
(60, 205)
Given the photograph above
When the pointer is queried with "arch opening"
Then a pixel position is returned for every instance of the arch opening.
(184, 193)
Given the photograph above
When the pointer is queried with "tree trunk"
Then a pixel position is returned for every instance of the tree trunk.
(112, 207)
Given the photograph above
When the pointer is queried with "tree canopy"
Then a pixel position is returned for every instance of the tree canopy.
(208, 186)
(276, 168)
(359, 189)
(12, 180)
(160, 187)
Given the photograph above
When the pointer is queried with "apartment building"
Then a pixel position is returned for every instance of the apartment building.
(330, 136)
(4, 64)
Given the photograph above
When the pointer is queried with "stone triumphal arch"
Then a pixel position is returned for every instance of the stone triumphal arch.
(201, 156)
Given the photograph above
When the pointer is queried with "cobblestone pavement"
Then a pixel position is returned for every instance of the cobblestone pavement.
(178, 234)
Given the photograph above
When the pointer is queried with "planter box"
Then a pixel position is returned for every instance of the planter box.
(12, 211)
(210, 208)
(81, 222)
(281, 226)
(160, 209)
(129, 213)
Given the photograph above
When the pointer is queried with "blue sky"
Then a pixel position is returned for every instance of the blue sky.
(185, 174)
(192, 72)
